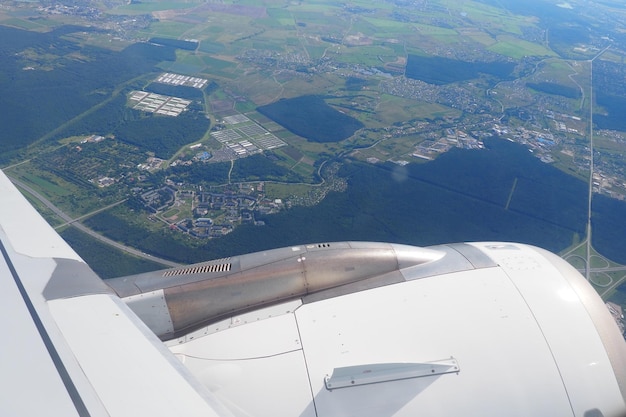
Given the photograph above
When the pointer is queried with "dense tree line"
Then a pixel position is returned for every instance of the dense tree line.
(462, 196)
(106, 262)
(253, 168)
(167, 244)
(198, 173)
(260, 167)
(355, 83)
(163, 135)
(102, 121)
(47, 86)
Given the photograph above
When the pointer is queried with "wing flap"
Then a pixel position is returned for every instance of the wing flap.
(28, 360)
(130, 370)
(27, 231)
(70, 346)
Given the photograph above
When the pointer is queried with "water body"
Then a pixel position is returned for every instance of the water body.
(311, 118)
(439, 70)
(615, 107)
(609, 228)
(555, 89)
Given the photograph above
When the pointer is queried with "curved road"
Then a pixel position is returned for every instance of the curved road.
(68, 220)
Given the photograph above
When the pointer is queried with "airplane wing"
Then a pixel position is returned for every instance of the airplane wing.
(71, 347)
(378, 329)
(321, 330)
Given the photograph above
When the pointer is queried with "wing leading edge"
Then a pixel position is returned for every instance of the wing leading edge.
(446, 330)
(73, 347)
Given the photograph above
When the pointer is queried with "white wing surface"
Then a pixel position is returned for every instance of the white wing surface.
(321, 330)
(70, 346)
(484, 329)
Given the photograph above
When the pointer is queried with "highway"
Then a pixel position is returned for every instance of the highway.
(591, 167)
(76, 223)
(589, 253)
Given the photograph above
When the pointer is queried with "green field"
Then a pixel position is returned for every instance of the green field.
(256, 53)
(48, 185)
(517, 48)
(393, 109)
(275, 190)
(148, 6)
(167, 29)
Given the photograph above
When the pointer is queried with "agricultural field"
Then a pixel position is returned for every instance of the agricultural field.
(291, 88)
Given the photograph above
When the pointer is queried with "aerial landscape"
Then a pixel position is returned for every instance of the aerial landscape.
(160, 133)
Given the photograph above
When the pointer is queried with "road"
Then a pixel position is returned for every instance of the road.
(74, 222)
(84, 216)
(588, 270)
(590, 196)
(616, 283)
(591, 167)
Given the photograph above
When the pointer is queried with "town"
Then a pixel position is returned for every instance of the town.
(432, 118)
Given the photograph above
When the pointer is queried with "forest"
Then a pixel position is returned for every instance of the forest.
(252, 168)
(163, 135)
(110, 263)
(210, 174)
(33, 77)
(418, 204)
(261, 167)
